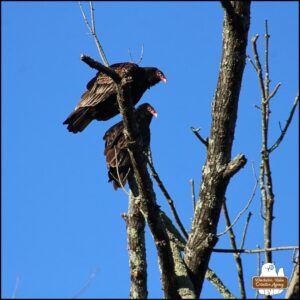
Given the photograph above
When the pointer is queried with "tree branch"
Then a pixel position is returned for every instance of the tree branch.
(197, 134)
(245, 229)
(16, 288)
(273, 93)
(266, 184)
(237, 256)
(92, 30)
(251, 61)
(218, 284)
(250, 251)
(258, 66)
(87, 284)
(166, 194)
(245, 208)
(101, 68)
(234, 166)
(287, 124)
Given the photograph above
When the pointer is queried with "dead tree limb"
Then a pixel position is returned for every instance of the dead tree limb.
(225, 105)
(266, 184)
(197, 134)
(135, 225)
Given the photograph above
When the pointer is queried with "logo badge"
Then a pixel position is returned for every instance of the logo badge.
(270, 282)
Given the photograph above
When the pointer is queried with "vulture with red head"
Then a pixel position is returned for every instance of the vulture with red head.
(99, 101)
(117, 158)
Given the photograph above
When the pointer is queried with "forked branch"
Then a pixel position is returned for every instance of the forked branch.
(92, 30)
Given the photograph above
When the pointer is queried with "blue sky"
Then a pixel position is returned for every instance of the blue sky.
(61, 219)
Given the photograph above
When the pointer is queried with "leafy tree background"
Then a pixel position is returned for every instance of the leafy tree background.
(61, 218)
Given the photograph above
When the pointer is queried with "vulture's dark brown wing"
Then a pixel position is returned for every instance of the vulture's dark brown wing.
(117, 157)
(99, 100)
(101, 87)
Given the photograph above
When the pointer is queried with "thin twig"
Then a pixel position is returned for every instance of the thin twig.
(287, 124)
(267, 79)
(130, 56)
(14, 296)
(251, 251)
(273, 93)
(197, 134)
(237, 256)
(84, 17)
(193, 193)
(166, 194)
(92, 17)
(245, 208)
(142, 55)
(245, 229)
(251, 61)
(87, 284)
(280, 126)
(92, 30)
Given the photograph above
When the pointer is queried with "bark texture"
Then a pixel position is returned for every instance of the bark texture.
(215, 176)
(135, 224)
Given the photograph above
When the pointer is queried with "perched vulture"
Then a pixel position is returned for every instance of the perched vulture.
(117, 157)
(100, 100)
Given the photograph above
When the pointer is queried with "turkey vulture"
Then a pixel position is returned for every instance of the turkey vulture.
(117, 157)
(100, 100)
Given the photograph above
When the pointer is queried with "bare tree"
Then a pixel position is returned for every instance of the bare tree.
(184, 258)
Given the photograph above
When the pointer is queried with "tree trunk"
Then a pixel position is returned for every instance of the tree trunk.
(218, 167)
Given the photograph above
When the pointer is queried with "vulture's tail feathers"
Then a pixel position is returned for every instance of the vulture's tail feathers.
(78, 120)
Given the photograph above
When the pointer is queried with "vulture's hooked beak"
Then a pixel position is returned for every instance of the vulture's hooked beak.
(163, 78)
